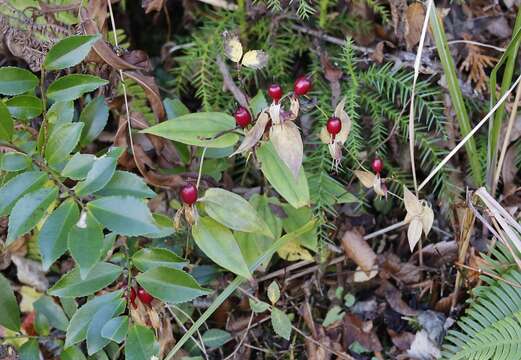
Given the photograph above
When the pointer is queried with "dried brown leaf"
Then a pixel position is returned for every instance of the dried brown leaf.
(254, 135)
(357, 249)
(414, 18)
(414, 232)
(366, 178)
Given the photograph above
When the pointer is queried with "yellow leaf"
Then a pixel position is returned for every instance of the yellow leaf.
(255, 59)
(287, 142)
(29, 296)
(232, 46)
(414, 232)
(292, 251)
(366, 178)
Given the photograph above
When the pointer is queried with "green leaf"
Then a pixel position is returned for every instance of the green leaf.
(53, 312)
(14, 162)
(61, 112)
(78, 166)
(220, 203)
(332, 192)
(69, 51)
(171, 285)
(97, 177)
(52, 238)
(69, 305)
(295, 220)
(149, 258)
(214, 338)
(165, 226)
(30, 350)
(116, 329)
(71, 284)
(95, 341)
(135, 220)
(72, 353)
(218, 243)
(18, 186)
(80, 321)
(258, 306)
(9, 311)
(24, 107)
(141, 343)
(175, 108)
(296, 192)
(6, 123)
(85, 242)
(71, 87)
(281, 323)
(126, 183)
(62, 141)
(193, 129)
(333, 315)
(16, 81)
(28, 211)
(273, 292)
(258, 103)
(94, 116)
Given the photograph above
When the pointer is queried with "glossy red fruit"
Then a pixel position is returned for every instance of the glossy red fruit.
(275, 92)
(133, 297)
(242, 117)
(334, 125)
(144, 296)
(189, 194)
(302, 85)
(377, 165)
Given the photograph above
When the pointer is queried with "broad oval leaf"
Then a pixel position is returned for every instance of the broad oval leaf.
(52, 238)
(16, 81)
(214, 338)
(53, 312)
(287, 142)
(149, 258)
(141, 343)
(62, 142)
(134, 220)
(97, 177)
(6, 123)
(24, 107)
(95, 341)
(78, 166)
(28, 211)
(116, 329)
(85, 242)
(281, 323)
(94, 116)
(71, 87)
(220, 203)
(195, 129)
(19, 186)
(170, 285)
(13, 161)
(126, 183)
(71, 284)
(69, 51)
(295, 191)
(219, 244)
(9, 311)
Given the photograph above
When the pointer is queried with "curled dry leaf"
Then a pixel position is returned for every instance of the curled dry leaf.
(287, 142)
(357, 249)
(419, 217)
(253, 135)
(370, 180)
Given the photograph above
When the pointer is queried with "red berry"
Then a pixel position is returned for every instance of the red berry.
(275, 92)
(377, 165)
(133, 297)
(242, 117)
(334, 125)
(144, 296)
(302, 85)
(189, 194)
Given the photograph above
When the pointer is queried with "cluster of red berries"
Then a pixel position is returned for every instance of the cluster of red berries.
(143, 296)
(301, 87)
(188, 194)
(377, 165)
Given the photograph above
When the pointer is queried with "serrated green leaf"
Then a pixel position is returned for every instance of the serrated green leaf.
(85, 242)
(220, 203)
(149, 258)
(98, 176)
(24, 107)
(71, 284)
(95, 341)
(94, 116)
(28, 211)
(71, 87)
(258, 306)
(16, 81)
(135, 220)
(126, 183)
(14, 162)
(219, 244)
(295, 191)
(18, 186)
(273, 292)
(9, 311)
(61, 112)
(69, 51)
(116, 329)
(52, 238)
(53, 312)
(194, 129)
(281, 323)
(78, 166)
(141, 343)
(170, 285)
(214, 338)
(6, 123)
(62, 142)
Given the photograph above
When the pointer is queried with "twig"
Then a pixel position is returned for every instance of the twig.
(246, 331)
(230, 84)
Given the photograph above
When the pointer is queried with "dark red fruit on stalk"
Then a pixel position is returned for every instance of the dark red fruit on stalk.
(242, 117)
(302, 85)
(275, 92)
(133, 297)
(377, 165)
(144, 296)
(189, 194)
(334, 125)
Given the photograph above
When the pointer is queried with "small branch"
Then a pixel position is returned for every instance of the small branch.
(230, 84)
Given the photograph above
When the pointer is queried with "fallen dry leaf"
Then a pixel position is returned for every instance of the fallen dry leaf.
(414, 18)
(419, 217)
(30, 272)
(357, 249)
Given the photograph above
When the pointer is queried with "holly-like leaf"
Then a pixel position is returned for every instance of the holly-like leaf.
(141, 343)
(71, 87)
(16, 81)
(85, 242)
(6, 123)
(9, 311)
(98, 176)
(62, 142)
(24, 107)
(95, 340)
(18, 186)
(116, 329)
(149, 258)
(69, 51)
(78, 166)
(94, 116)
